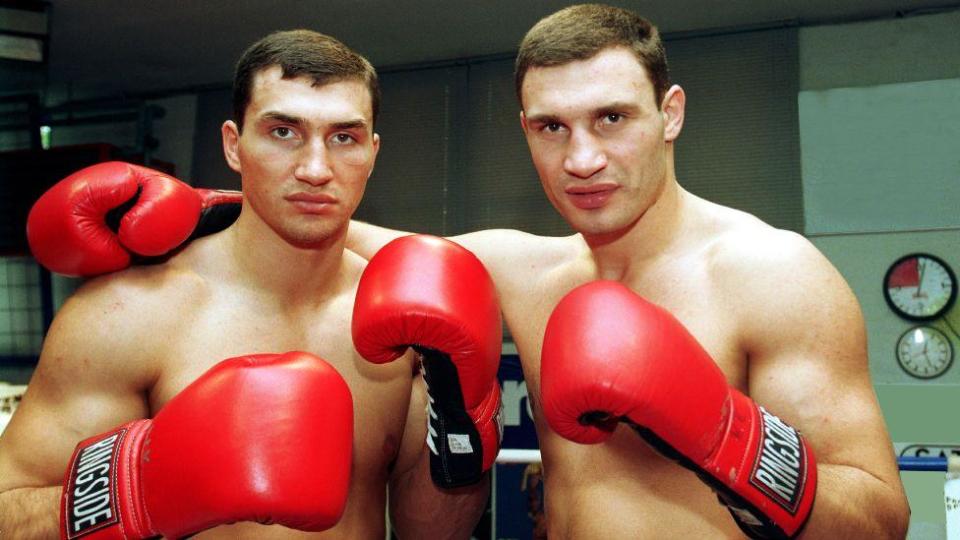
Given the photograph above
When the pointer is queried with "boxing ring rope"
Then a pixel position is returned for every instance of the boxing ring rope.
(518, 455)
(905, 463)
(937, 464)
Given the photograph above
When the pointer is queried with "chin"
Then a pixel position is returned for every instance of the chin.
(603, 227)
(311, 238)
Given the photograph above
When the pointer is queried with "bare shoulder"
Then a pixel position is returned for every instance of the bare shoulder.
(120, 317)
(772, 267)
(791, 305)
(514, 257)
(100, 356)
(108, 341)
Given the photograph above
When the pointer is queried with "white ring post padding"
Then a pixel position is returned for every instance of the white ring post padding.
(518, 455)
(9, 397)
(8, 391)
(951, 498)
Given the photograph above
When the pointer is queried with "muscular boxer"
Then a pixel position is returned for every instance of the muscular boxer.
(601, 118)
(134, 345)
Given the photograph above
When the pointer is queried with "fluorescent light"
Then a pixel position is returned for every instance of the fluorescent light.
(21, 48)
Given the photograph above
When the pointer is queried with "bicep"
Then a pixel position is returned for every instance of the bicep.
(808, 364)
(75, 392)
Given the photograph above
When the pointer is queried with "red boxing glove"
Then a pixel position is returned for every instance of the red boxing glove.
(436, 296)
(265, 438)
(610, 356)
(93, 221)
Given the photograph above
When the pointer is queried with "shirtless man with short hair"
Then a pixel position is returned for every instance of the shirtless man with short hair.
(129, 345)
(601, 117)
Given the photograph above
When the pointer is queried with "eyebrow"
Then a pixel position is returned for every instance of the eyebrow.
(616, 106)
(299, 121)
(350, 124)
(541, 118)
(281, 117)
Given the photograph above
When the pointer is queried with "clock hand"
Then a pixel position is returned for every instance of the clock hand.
(923, 267)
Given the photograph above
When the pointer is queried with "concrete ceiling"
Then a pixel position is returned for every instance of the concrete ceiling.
(147, 46)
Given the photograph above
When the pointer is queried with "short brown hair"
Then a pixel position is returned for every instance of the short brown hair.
(301, 53)
(579, 32)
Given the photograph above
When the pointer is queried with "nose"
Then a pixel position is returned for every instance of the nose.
(313, 164)
(585, 155)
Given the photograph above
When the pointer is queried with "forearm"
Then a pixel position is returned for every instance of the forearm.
(419, 509)
(851, 504)
(365, 239)
(30, 513)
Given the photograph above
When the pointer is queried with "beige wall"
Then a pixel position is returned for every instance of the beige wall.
(880, 138)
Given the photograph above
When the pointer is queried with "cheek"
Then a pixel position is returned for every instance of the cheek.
(638, 154)
(547, 159)
(263, 156)
(356, 183)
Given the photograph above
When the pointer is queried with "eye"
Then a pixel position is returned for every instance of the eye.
(343, 138)
(283, 132)
(612, 118)
(552, 127)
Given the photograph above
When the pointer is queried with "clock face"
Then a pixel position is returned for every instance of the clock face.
(920, 287)
(924, 352)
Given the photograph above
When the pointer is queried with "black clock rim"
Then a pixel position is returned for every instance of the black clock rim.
(946, 368)
(920, 318)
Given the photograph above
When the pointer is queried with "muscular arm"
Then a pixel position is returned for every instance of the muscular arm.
(512, 257)
(365, 239)
(808, 364)
(419, 509)
(79, 388)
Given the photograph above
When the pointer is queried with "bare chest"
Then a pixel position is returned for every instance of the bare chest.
(683, 290)
(214, 331)
(649, 489)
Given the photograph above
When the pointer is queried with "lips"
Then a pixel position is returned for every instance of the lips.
(312, 203)
(590, 197)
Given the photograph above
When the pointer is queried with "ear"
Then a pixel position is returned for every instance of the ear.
(376, 150)
(230, 134)
(523, 121)
(672, 108)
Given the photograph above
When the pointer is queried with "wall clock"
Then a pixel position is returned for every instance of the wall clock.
(920, 287)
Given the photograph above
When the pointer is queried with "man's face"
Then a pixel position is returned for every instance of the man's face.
(304, 155)
(598, 138)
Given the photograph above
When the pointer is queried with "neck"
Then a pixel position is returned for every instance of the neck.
(661, 226)
(264, 260)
